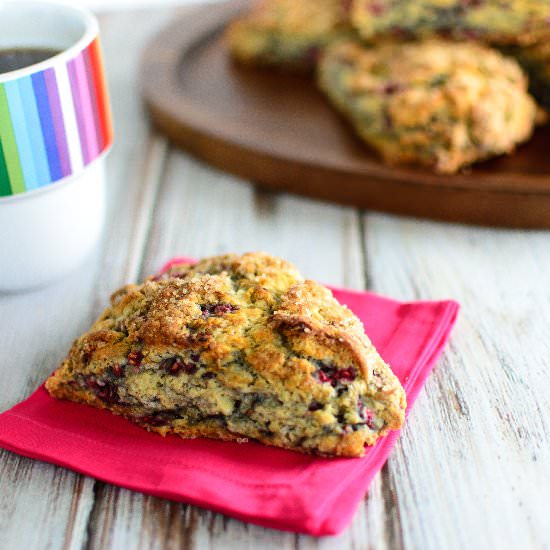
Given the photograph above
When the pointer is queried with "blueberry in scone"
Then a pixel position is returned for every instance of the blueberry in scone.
(436, 103)
(535, 60)
(495, 21)
(287, 32)
(236, 347)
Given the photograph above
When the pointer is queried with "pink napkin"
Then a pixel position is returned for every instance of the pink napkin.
(263, 485)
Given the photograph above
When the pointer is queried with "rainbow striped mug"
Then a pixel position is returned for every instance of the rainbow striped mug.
(55, 131)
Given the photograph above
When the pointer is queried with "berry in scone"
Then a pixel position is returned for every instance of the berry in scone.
(495, 21)
(287, 33)
(435, 103)
(236, 347)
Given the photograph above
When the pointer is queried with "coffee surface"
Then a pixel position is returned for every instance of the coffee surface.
(18, 58)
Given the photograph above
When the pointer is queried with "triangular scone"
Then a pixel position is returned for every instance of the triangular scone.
(287, 33)
(236, 347)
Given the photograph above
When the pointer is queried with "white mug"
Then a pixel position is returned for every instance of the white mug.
(55, 132)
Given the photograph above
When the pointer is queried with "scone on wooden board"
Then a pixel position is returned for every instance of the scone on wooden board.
(437, 103)
(236, 347)
(287, 33)
(494, 21)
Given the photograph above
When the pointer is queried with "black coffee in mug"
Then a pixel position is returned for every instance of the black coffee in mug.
(18, 58)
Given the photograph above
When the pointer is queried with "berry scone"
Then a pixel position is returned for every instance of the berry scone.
(435, 103)
(495, 21)
(535, 60)
(287, 32)
(236, 347)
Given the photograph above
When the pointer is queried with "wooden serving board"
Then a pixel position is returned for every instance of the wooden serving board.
(277, 129)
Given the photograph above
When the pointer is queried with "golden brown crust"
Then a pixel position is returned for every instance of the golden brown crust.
(494, 21)
(436, 103)
(233, 347)
(285, 32)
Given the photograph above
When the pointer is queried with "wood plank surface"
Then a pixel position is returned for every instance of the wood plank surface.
(474, 458)
(472, 466)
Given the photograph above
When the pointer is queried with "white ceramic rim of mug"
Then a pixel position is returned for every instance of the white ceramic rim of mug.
(91, 30)
(67, 180)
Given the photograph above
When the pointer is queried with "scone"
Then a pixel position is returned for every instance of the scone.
(495, 21)
(236, 347)
(286, 32)
(535, 60)
(435, 103)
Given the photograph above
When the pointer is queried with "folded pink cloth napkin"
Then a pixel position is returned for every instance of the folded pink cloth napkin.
(263, 485)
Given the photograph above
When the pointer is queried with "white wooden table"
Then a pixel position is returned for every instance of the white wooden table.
(472, 467)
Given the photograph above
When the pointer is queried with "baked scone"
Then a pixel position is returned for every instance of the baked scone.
(495, 21)
(236, 347)
(287, 33)
(535, 60)
(436, 103)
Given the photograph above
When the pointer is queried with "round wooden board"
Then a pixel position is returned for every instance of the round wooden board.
(277, 130)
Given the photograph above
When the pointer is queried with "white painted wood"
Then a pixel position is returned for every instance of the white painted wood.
(471, 469)
(202, 212)
(473, 465)
(102, 6)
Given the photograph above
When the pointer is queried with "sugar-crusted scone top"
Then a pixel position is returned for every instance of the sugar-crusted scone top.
(244, 303)
(205, 337)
